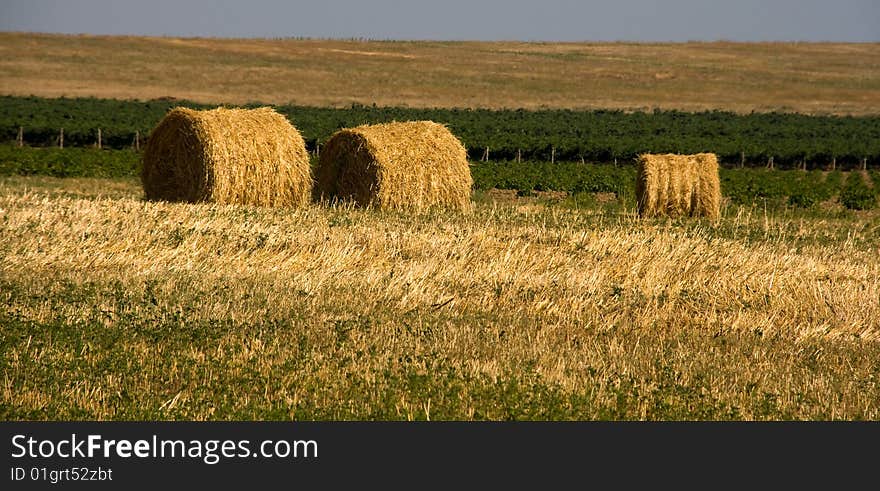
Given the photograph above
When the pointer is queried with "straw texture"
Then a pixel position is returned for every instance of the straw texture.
(227, 156)
(413, 165)
(678, 185)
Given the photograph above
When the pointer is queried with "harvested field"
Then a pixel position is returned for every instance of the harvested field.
(540, 312)
(814, 78)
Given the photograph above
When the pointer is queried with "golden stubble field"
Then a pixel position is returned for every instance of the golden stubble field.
(743, 77)
(118, 308)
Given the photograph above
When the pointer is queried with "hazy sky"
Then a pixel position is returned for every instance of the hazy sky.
(550, 20)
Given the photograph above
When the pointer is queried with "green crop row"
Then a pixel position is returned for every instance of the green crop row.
(800, 188)
(566, 135)
(856, 190)
(68, 162)
(573, 177)
(857, 193)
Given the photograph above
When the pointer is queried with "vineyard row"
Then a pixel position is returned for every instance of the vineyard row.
(779, 140)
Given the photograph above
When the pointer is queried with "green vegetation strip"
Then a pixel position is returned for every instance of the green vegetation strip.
(599, 136)
(68, 162)
(855, 190)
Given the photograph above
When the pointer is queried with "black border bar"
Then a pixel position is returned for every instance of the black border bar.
(466, 454)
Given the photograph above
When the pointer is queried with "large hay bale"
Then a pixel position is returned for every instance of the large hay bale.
(413, 165)
(678, 185)
(227, 156)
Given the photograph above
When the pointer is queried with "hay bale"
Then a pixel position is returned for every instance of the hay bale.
(678, 185)
(413, 165)
(227, 156)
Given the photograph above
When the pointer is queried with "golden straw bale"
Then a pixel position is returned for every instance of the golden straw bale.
(227, 156)
(678, 185)
(413, 165)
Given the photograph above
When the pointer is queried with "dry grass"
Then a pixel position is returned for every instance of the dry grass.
(413, 165)
(678, 185)
(227, 156)
(231, 312)
(802, 77)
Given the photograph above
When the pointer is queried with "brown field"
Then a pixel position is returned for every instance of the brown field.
(802, 77)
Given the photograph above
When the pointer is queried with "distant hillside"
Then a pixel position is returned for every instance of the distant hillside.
(811, 78)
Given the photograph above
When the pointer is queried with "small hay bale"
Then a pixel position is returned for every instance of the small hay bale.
(678, 185)
(227, 156)
(413, 165)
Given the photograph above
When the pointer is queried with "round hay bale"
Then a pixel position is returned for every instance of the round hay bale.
(414, 165)
(678, 185)
(227, 156)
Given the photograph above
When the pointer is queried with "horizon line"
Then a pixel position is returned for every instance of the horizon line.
(430, 40)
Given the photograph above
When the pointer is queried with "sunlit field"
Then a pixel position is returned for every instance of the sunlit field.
(527, 308)
(812, 78)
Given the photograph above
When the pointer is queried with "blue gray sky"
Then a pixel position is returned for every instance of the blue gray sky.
(527, 20)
